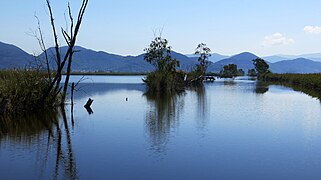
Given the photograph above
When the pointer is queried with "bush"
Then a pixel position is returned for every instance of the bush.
(165, 81)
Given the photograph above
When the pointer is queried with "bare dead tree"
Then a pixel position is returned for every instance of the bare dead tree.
(42, 45)
(70, 39)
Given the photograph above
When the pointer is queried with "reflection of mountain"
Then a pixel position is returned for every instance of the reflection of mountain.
(162, 116)
(90, 89)
(43, 137)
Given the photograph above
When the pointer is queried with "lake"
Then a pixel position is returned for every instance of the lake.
(239, 129)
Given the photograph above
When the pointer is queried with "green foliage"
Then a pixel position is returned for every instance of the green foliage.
(195, 78)
(165, 78)
(204, 53)
(240, 72)
(159, 55)
(251, 72)
(261, 66)
(21, 91)
(167, 81)
(229, 71)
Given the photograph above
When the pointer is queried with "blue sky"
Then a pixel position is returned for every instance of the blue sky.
(126, 26)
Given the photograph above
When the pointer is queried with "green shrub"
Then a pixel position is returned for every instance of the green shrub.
(165, 81)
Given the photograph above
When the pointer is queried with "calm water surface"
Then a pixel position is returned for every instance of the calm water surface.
(237, 129)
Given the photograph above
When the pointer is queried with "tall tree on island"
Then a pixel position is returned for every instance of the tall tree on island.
(261, 67)
(204, 53)
(159, 55)
(165, 77)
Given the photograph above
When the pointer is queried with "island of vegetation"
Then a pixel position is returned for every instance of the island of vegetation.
(166, 77)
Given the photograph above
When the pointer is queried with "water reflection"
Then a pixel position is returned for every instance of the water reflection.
(261, 87)
(55, 156)
(202, 106)
(162, 116)
(229, 82)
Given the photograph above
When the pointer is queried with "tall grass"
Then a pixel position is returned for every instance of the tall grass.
(21, 91)
(311, 81)
(307, 83)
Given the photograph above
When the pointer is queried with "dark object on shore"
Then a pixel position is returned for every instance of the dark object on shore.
(126, 99)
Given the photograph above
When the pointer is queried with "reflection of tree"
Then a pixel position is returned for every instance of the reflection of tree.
(162, 116)
(229, 82)
(261, 87)
(32, 130)
(202, 106)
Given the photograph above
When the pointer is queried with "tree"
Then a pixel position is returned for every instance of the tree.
(251, 72)
(229, 71)
(261, 66)
(165, 77)
(61, 60)
(159, 55)
(240, 72)
(204, 53)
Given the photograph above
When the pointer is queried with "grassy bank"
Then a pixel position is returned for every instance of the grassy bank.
(308, 83)
(21, 91)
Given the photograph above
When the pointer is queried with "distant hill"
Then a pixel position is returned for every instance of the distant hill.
(243, 61)
(299, 65)
(87, 60)
(282, 57)
(213, 58)
(12, 56)
(273, 59)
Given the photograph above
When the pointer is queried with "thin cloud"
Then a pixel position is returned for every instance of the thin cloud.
(277, 39)
(312, 29)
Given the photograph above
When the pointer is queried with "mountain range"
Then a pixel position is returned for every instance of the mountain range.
(12, 56)
(86, 60)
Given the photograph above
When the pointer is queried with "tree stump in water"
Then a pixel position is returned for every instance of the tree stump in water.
(87, 106)
(89, 102)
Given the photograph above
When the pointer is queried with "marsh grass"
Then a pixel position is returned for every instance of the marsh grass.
(307, 83)
(21, 91)
(310, 81)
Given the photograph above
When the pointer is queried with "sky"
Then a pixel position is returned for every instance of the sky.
(126, 27)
